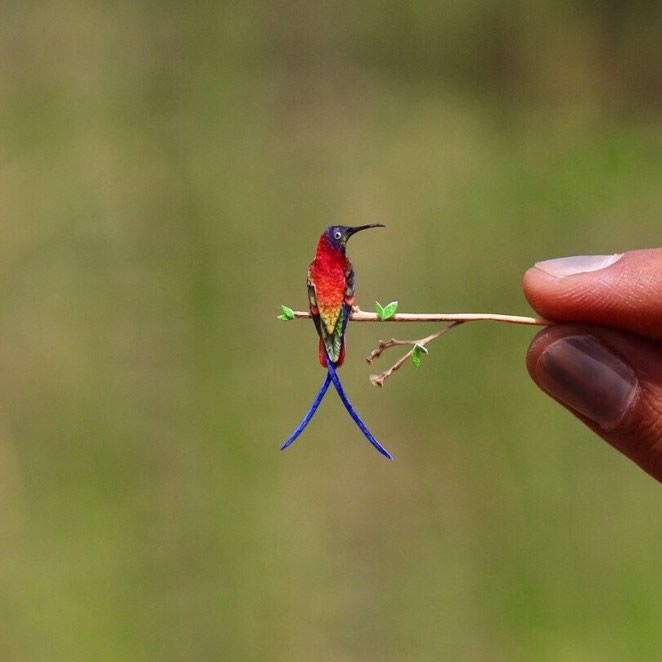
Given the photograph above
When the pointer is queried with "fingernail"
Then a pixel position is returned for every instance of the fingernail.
(583, 374)
(576, 264)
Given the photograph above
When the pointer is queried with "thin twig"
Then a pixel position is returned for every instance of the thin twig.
(358, 315)
(454, 319)
(387, 344)
(378, 380)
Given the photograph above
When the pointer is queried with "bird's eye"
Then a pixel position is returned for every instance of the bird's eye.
(337, 234)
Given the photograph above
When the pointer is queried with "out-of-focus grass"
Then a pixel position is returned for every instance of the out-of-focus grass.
(165, 174)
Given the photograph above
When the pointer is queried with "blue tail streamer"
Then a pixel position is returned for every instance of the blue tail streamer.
(313, 408)
(332, 376)
(352, 411)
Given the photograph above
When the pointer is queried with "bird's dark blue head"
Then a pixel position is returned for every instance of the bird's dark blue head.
(337, 235)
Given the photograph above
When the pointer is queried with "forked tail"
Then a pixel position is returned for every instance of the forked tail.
(352, 412)
(313, 408)
(332, 376)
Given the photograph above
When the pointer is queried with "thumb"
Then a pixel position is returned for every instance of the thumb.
(623, 291)
(611, 380)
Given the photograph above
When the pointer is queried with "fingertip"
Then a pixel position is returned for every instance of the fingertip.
(538, 345)
(538, 286)
(612, 382)
(531, 278)
(588, 378)
(621, 290)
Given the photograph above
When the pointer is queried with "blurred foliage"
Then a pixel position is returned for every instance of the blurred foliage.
(166, 170)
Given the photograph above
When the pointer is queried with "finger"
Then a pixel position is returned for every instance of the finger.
(622, 291)
(610, 380)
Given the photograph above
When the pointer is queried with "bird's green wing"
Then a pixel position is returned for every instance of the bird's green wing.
(312, 301)
(349, 284)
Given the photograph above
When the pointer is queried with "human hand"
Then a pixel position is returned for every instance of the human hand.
(603, 360)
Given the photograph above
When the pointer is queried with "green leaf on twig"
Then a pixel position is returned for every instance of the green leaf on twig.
(416, 356)
(288, 314)
(384, 312)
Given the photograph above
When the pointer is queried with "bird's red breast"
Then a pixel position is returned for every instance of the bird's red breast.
(328, 275)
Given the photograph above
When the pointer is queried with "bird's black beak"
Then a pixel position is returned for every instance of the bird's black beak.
(358, 228)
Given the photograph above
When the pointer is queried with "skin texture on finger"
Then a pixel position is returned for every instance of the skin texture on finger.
(625, 294)
(615, 387)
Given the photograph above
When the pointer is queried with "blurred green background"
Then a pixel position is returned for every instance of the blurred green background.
(166, 169)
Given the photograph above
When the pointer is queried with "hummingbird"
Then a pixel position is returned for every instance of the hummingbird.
(330, 300)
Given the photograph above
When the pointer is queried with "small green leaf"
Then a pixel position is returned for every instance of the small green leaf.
(288, 314)
(390, 309)
(384, 312)
(380, 310)
(416, 356)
